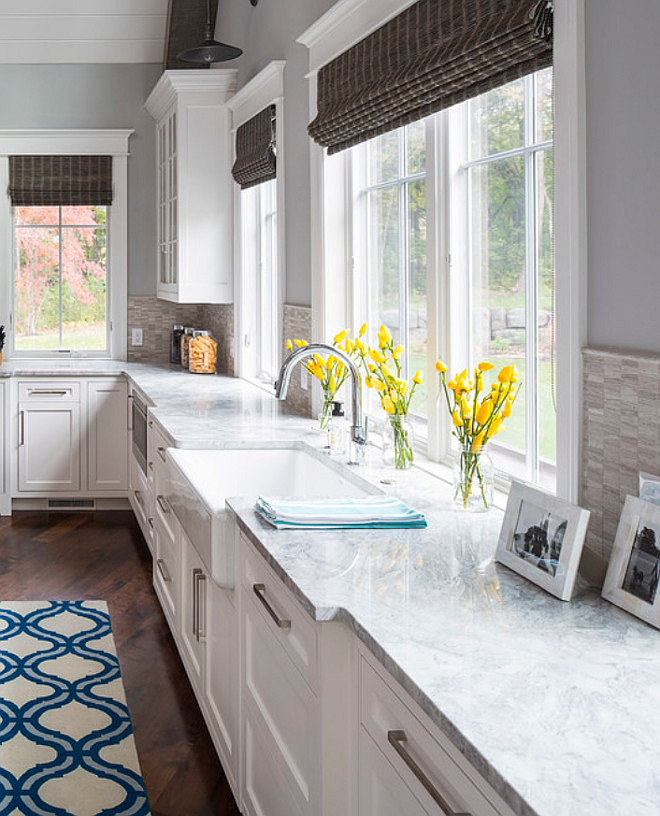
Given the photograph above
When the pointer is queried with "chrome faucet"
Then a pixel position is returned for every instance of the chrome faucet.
(359, 426)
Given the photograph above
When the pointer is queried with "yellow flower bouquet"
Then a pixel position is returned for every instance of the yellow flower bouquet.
(384, 374)
(330, 371)
(477, 415)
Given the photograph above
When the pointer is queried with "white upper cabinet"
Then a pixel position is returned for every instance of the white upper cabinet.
(194, 188)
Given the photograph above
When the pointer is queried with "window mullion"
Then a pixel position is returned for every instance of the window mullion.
(61, 239)
(531, 291)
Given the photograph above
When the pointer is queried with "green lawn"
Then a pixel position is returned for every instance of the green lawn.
(88, 337)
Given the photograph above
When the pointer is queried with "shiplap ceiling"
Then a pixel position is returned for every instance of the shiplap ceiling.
(82, 31)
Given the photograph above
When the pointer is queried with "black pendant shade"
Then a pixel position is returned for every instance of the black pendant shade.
(209, 50)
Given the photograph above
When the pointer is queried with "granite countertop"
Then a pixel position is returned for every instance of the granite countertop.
(555, 704)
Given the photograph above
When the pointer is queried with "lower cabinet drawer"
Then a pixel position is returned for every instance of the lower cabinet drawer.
(167, 571)
(295, 634)
(440, 780)
(283, 708)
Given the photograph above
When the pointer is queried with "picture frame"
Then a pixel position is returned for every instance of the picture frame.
(541, 539)
(649, 487)
(633, 572)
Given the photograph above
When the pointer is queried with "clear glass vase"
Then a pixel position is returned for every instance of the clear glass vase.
(398, 442)
(474, 475)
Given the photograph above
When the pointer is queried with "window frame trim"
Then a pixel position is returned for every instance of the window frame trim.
(342, 26)
(112, 142)
(264, 89)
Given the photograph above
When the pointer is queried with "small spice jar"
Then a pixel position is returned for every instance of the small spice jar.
(175, 343)
(186, 337)
(203, 353)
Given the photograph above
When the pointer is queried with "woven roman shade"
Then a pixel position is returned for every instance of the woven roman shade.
(60, 180)
(255, 150)
(431, 56)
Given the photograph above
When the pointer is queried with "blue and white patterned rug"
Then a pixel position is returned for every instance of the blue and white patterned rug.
(66, 742)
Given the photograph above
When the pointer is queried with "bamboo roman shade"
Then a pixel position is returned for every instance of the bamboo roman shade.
(431, 56)
(256, 149)
(60, 180)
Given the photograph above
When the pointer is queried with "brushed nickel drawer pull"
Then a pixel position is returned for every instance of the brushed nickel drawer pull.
(163, 571)
(41, 393)
(161, 453)
(138, 497)
(21, 425)
(162, 503)
(201, 631)
(151, 523)
(397, 740)
(259, 590)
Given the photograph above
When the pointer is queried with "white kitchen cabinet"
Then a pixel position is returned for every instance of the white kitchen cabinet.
(194, 185)
(221, 681)
(167, 565)
(5, 495)
(406, 765)
(107, 435)
(193, 618)
(49, 437)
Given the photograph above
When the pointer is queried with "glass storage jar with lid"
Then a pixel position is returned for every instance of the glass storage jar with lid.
(186, 337)
(175, 343)
(203, 353)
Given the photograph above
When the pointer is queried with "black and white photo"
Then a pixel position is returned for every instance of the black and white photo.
(633, 572)
(539, 536)
(541, 539)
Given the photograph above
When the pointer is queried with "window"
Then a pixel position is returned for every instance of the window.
(60, 279)
(260, 279)
(391, 230)
(496, 199)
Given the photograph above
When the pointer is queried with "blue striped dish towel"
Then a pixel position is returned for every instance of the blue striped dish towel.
(371, 512)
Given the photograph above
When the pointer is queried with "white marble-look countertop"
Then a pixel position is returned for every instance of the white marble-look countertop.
(556, 704)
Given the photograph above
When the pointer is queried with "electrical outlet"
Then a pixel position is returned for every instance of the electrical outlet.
(136, 337)
(304, 378)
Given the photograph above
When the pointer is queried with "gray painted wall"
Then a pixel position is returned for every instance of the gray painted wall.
(265, 33)
(623, 173)
(97, 96)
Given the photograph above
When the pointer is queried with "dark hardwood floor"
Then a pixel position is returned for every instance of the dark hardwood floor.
(102, 556)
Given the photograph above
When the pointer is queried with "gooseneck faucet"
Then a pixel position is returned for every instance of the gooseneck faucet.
(359, 426)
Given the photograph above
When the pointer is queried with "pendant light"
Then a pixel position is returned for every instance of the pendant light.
(210, 50)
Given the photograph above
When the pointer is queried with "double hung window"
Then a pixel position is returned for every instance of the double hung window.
(492, 179)
(61, 278)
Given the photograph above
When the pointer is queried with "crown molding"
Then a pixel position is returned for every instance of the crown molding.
(174, 82)
(263, 89)
(37, 142)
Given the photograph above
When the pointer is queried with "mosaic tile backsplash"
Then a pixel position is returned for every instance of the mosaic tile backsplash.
(297, 322)
(621, 436)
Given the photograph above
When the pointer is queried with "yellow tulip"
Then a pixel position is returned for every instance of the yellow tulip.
(368, 382)
(340, 336)
(377, 356)
(456, 419)
(330, 362)
(507, 408)
(506, 374)
(496, 426)
(478, 440)
(418, 378)
(485, 366)
(363, 330)
(398, 352)
(388, 405)
(440, 367)
(484, 412)
(372, 368)
(332, 383)
(348, 346)
(359, 345)
(380, 386)
(384, 334)
(289, 345)
(463, 375)
(451, 385)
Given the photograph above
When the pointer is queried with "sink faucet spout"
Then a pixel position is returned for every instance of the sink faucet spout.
(359, 426)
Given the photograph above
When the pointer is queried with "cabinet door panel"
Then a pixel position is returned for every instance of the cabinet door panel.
(381, 790)
(108, 436)
(49, 447)
(282, 703)
(167, 565)
(193, 612)
(222, 675)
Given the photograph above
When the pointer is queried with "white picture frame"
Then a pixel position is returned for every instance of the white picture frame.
(541, 539)
(633, 572)
(649, 487)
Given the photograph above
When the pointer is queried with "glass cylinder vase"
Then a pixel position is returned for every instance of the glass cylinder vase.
(474, 474)
(398, 442)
